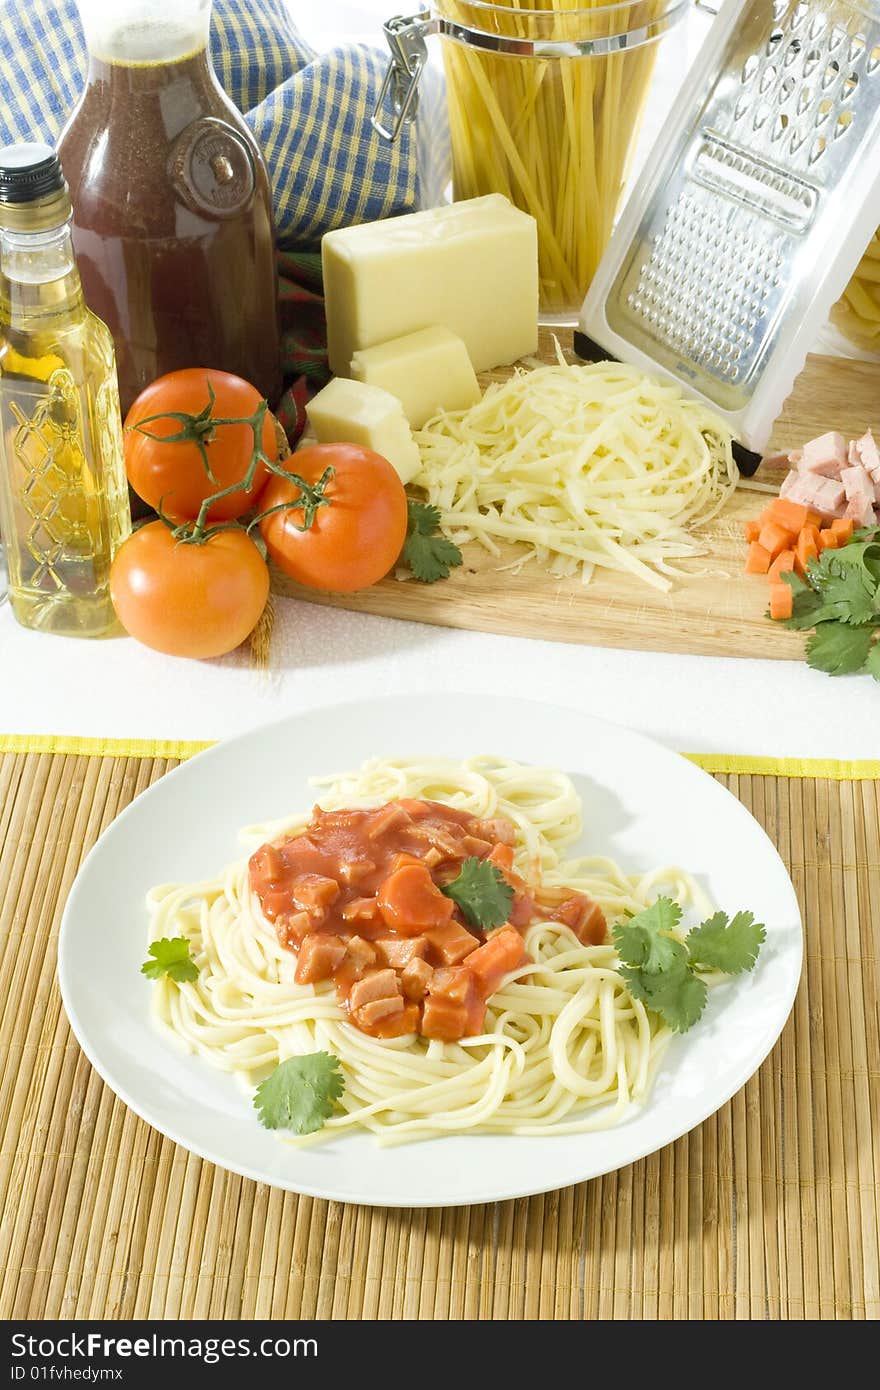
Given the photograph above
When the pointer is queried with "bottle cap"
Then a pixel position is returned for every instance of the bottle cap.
(29, 172)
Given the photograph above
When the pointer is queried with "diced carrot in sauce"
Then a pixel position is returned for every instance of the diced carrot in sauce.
(792, 516)
(444, 1019)
(452, 942)
(784, 561)
(758, 560)
(752, 530)
(781, 601)
(409, 901)
(774, 538)
(844, 526)
(828, 539)
(807, 549)
(493, 960)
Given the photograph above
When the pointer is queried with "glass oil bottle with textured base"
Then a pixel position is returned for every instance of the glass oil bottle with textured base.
(63, 495)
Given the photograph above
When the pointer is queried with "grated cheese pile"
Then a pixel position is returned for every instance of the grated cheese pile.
(585, 465)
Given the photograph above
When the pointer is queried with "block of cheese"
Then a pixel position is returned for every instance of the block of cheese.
(470, 266)
(351, 412)
(427, 371)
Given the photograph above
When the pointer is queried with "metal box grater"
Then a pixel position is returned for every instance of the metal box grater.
(761, 194)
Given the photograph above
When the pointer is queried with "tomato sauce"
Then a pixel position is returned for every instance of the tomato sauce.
(357, 896)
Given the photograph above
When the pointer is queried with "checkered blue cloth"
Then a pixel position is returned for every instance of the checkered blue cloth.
(309, 112)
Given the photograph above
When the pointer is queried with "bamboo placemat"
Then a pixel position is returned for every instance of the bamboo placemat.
(769, 1209)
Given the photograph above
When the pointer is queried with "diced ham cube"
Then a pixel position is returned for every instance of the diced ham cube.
(398, 951)
(776, 461)
(452, 942)
(361, 910)
(857, 483)
(376, 984)
(853, 454)
(795, 457)
(314, 890)
(356, 870)
(390, 817)
(320, 954)
(825, 455)
(453, 982)
(791, 480)
(824, 495)
(861, 509)
(360, 953)
(368, 1015)
(869, 454)
(293, 928)
(416, 978)
(497, 828)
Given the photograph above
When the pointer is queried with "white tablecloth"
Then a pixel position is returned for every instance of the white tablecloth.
(118, 689)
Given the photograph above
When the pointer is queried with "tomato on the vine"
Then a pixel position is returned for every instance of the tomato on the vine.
(358, 527)
(189, 599)
(171, 473)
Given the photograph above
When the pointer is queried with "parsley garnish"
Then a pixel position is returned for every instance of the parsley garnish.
(841, 601)
(171, 956)
(482, 894)
(300, 1092)
(661, 970)
(430, 556)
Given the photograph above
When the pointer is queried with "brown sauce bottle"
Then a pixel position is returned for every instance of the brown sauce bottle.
(172, 207)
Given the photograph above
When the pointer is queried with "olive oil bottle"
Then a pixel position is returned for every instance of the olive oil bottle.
(63, 496)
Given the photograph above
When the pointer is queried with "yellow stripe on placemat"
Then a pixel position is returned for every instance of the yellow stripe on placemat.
(825, 769)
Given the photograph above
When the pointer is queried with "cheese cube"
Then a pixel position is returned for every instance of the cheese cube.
(470, 266)
(351, 412)
(427, 371)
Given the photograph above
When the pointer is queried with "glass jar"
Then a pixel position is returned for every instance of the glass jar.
(545, 106)
(172, 206)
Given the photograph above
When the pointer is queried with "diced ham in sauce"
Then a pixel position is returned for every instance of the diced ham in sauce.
(356, 897)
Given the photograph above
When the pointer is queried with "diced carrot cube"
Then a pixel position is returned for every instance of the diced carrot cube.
(815, 519)
(828, 539)
(758, 559)
(775, 538)
(791, 516)
(807, 549)
(844, 526)
(502, 953)
(752, 530)
(781, 601)
(784, 561)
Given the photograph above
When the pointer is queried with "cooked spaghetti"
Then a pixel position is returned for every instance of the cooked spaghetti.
(562, 1047)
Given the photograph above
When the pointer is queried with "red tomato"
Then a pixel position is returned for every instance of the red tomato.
(352, 542)
(173, 474)
(185, 599)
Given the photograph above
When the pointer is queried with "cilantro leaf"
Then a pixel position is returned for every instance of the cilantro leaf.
(171, 956)
(844, 584)
(724, 944)
(676, 994)
(839, 648)
(430, 556)
(872, 665)
(300, 1092)
(482, 894)
(644, 941)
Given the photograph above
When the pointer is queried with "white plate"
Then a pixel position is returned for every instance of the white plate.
(643, 804)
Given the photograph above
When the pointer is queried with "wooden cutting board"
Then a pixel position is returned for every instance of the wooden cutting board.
(721, 614)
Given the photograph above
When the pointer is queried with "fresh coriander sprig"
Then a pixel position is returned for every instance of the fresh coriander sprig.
(840, 599)
(660, 968)
(300, 1093)
(429, 555)
(171, 956)
(481, 893)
